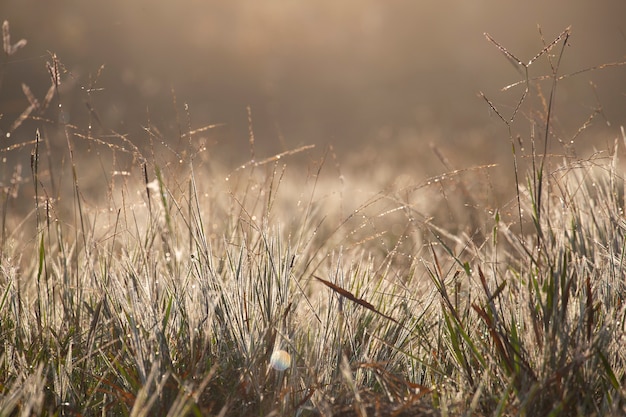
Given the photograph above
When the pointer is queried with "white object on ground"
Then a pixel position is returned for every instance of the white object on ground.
(280, 360)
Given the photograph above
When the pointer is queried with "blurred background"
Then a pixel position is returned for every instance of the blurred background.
(383, 82)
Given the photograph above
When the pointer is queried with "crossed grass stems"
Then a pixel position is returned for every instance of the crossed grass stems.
(173, 301)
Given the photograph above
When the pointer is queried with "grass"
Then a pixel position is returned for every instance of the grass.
(174, 286)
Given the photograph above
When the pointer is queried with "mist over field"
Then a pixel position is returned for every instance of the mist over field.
(377, 80)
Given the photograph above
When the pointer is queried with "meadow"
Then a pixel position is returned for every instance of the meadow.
(158, 280)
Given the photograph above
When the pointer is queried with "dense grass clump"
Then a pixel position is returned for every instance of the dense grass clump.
(175, 286)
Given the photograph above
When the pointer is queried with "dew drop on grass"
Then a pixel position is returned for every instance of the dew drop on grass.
(280, 360)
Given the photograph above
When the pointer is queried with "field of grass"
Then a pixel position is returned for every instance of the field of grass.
(161, 282)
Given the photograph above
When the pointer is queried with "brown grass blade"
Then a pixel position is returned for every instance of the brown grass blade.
(202, 129)
(18, 146)
(48, 98)
(6, 38)
(30, 96)
(18, 122)
(568, 75)
(272, 158)
(498, 341)
(563, 35)
(18, 45)
(347, 294)
(589, 309)
(510, 56)
(53, 70)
